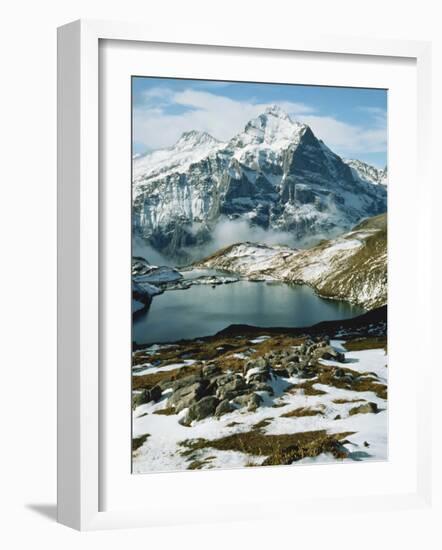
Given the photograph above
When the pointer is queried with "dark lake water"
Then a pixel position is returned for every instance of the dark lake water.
(202, 310)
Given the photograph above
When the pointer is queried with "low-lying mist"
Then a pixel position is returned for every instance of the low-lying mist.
(225, 233)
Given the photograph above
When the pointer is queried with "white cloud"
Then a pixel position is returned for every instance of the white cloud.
(155, 126)
(166, 114)
(347, 139)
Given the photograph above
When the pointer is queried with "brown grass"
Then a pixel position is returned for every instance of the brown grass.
(199, 464)
(168, 411)
(308, 388)
(344, 401)
(138, 441)
(360, 344)
(279, 449)
(302, 411)
(359, 384)
(262, 424)
(275, 343)
(149, 380)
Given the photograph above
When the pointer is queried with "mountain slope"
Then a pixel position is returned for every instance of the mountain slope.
(368, 173)
(352, 267)
(275, 174)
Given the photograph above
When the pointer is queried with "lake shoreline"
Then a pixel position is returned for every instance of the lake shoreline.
(359, 324)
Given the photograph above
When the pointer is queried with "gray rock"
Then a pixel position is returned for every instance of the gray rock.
(224, 407)
(155, 393)
(234, 387)
(166, 384)
(261, 386)
(252, 401)
(186, 381)
(210, 370)
(225, 379)
(186, 396)
(146, 396)
(259, 363)
(329, 353)
(262, 374)
(202, 409)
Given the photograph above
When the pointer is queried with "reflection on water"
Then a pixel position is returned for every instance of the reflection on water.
(203, 310)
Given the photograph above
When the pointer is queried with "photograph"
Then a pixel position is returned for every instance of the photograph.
(259, 274)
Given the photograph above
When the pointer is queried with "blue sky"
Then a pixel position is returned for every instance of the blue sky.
(351, 121)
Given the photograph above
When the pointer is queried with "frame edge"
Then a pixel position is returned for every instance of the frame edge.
(68, 279)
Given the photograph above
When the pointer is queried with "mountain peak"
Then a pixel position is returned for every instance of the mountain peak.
(276, 111)
(273, 127)
(195, 137)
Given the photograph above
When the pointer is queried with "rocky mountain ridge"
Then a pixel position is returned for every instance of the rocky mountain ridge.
(276, 174)
(368, 173)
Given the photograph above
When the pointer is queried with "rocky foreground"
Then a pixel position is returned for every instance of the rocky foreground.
(250, 396)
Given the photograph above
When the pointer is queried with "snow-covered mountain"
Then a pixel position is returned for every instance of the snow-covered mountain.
(352, 267)
(368, 173)
(276, 174)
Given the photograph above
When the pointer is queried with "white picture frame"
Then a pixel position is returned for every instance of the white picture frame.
(80, 294)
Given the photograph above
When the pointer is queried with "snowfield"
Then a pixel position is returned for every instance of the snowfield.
(164, 449)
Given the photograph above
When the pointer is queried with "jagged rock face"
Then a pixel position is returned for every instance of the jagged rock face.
(368, 173)
(276, 174)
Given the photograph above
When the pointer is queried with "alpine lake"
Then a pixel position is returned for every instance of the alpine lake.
(205, 309)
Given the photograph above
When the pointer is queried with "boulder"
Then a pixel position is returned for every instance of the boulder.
(146, 396)
(236, 386)
(209, 371)
(202, 409)
(155, 393)
(331, 354)
(166, 384)
(261, 386)
(259, 363)
(187, 381)
(258, 371)
(224, 407)
(251, 400)
(186, 396)
(254, 402)
(225, 378)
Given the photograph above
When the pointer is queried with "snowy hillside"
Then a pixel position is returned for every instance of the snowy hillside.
(275, 174)
(263, 398)
(368, 173)
(352, 267)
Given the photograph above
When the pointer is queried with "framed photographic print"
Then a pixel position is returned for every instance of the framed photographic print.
(232, 219)
(259, 274)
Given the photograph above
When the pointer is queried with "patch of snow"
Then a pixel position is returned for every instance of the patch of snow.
(259, 340)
